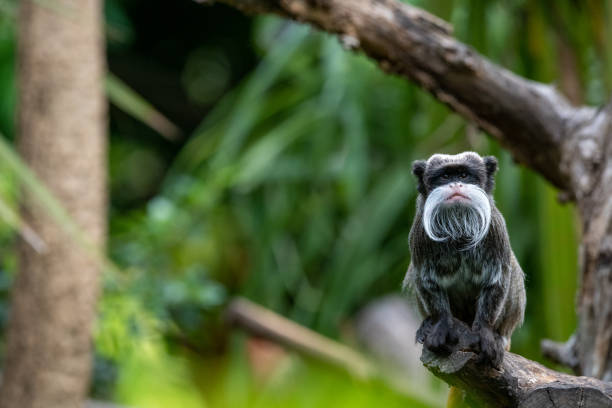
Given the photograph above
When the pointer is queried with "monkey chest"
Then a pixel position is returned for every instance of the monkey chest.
(462, 280)
(459, 274)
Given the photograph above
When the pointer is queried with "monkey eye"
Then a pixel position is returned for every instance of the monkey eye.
(463, 175)
(444, 176)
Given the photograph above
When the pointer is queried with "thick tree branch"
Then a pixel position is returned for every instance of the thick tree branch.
(518, 383)
(530, 119)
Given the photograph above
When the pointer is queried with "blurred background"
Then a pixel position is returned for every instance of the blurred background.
(255, 157)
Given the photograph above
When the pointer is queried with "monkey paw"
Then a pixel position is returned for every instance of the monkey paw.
(424, 330)
(442, 336)
(491, 347)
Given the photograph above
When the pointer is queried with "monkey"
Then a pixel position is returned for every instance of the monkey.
(462, 265)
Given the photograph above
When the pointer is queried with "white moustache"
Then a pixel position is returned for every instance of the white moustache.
(457, 219)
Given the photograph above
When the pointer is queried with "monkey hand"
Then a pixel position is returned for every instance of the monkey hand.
(491, 347)
(424, 330)
(442, 336)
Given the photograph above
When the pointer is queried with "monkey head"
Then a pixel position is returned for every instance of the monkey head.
(456, 194)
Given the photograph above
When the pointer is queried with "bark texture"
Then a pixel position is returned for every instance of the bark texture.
(62, 137)
(518, 383)
(570, 146)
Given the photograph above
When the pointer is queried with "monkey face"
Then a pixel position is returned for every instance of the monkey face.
(466, 167)
(456, 191)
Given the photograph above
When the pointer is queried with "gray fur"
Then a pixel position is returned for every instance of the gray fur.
(476, 279)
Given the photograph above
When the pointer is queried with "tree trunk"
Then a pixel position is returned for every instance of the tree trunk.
(62, 137)
(592, 350)
(569, 146)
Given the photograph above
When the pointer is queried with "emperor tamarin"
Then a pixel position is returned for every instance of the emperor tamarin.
(462, 264)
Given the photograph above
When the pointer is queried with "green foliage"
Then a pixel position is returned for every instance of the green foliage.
(152, 378)
(7, 70)
(302, 180)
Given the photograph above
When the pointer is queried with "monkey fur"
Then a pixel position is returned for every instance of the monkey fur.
(462, 264)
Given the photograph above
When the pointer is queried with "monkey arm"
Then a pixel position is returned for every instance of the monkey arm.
(436, 331)
(489, 306)
(433, 297)
(492, 297)
(488, 312)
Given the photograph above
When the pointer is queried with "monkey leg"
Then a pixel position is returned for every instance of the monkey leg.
(491, 347)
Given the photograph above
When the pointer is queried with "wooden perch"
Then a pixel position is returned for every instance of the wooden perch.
(518, 383)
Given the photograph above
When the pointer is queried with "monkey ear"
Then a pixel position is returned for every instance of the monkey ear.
(418, 169)
(491, 167)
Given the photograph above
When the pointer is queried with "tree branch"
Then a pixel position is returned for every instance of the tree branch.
(267, 324)
(518, 383)
(530, 119)
(561, 353)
